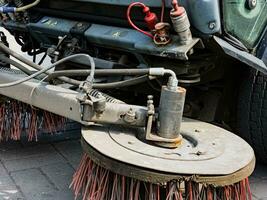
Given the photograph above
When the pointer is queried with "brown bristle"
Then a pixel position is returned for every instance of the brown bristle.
(17, 117)
(96, 183)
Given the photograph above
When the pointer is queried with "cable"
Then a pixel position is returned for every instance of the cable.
(130, 72)
(91, 77)
(6, 9)
(42, 59)
(23, 8)
(16, 64)
(126, 83)
(101, 72)
(34, 55)
(130, 20)
(7, 50)
(162, 10)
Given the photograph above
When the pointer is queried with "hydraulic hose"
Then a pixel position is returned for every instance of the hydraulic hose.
(145, 74)
(23, 8)
(16, 64)
(45, 70)
(34, 65)
(152, 72)
(101, 72)
(126, 83)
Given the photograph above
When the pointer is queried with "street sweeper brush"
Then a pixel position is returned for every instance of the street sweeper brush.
(210, 163)
(17, 118)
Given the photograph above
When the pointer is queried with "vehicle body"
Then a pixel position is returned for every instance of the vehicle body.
(223, 68)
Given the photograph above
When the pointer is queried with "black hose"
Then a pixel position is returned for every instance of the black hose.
(120, 84)
(16, 64)
(34, 65)
(101, 72)
(42, 59)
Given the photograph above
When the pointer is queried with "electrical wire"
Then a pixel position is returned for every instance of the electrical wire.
(7, 50)
(130, 20)
(162, 10)
(42, 59)
(34, 55)
(7, 9)
(23, 8)
(90, 78)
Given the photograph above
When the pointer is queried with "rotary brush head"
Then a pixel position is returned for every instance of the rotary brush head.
(210, 163)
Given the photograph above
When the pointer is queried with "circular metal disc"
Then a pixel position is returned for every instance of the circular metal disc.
(207, 150)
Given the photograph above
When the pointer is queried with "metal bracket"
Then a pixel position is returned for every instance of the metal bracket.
(164, 142)
(169, 143)
(242, 56)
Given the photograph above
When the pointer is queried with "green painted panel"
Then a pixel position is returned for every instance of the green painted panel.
(244, 23)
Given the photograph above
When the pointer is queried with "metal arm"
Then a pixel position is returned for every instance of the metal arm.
(67, 103)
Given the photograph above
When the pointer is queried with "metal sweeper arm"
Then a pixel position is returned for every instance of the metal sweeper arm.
(69, 103)
(85, 106)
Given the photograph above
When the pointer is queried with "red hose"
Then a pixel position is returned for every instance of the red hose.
(162, 10)
(130, 21)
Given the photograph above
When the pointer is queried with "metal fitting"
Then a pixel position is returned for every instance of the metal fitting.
(172, 83)
(212, 25)
(130, 116)
(181, 24)
(162, 35)
(150, 105)
(150, 18)
(156, 71)
(251, 4)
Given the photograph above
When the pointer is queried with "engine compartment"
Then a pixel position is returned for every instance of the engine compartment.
(62, 28)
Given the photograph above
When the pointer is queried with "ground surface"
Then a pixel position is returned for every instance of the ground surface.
(44, 171)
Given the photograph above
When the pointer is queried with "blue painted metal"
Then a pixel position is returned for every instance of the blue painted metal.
(5, 9)
(136, 42)
(50, 27)
(204, 14)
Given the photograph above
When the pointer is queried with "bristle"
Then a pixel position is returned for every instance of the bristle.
(2, 122)
(96, 183)
(52, 123)
(17, 117)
